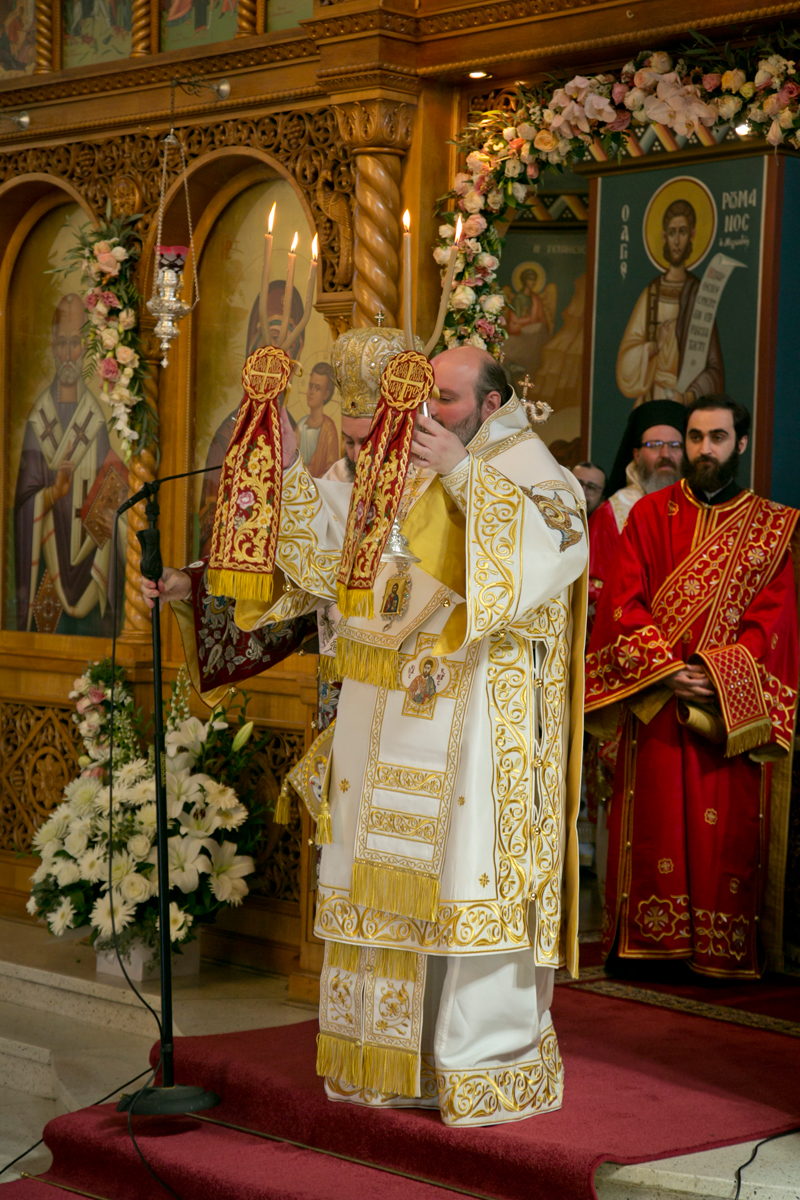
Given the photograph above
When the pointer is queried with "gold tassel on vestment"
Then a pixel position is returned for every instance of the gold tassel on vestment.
(391, 890)
(748, 738)
(391, 1071)
(340, 1059)
(355, 602)
(343, 955)
(396, 964)
(327, 669)
(241, 585)
(283, 807)
(367, 664)
(324, 833)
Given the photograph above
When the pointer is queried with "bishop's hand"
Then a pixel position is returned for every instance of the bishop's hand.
(435, 447)
(63, 481)
(173, 585)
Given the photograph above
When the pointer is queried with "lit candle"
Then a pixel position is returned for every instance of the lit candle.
(262, 300)
(446, 289)
(407, 322)
(312, 279)
(287, 294)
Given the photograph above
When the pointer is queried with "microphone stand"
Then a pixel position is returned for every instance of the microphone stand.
(169, 1097)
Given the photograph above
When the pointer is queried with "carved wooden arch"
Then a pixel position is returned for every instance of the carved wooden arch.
(23, 203)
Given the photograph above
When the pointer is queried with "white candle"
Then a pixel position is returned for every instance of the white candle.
(407, 319)
(262, 300)
(288, 291)
(446, 289)
(312, 279)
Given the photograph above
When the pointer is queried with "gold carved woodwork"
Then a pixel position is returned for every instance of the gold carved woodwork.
(141, 470)
(39, 748)
(379, 134)
(44, 38)
(337, 309)
(141, 29)
(247, 23)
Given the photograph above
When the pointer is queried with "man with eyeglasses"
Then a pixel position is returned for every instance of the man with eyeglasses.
(695, 652)
(593, 481)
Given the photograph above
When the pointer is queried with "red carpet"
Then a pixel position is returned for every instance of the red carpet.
(641, 1083)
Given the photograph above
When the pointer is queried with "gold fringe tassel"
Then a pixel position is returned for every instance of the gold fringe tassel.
(327, 669)
(283, 808)
(389, 1070)
(366, 664)
(343, 955)
(324, 835)
(240, 585)
(355, 602)
(394, 891)
(340, 1059)
(749, 738)
(396, 964)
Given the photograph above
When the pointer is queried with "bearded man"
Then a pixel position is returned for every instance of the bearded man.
(653, 346)
(447, 894)
(695, 650)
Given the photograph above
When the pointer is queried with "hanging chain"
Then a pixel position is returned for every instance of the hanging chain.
(195, 280)
(172, 140)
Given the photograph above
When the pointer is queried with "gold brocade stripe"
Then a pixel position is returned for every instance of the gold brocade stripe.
(633, 661)
(393, 890)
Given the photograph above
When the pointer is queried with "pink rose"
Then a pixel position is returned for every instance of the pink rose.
(532, 170)
(621, 121)
(83, 704)
(92, 299)
(110, 300)
(108, 368)
(245, 499)
(485, 327)
(711, 81)
(97, 695)
(789, 91)
(516, 143)
(619, 92)
(108, 264)
(473, 226)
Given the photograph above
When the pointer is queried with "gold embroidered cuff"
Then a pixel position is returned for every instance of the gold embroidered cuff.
(457, 483)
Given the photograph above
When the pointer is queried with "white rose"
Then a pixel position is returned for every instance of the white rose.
(634, 98)
(488, 262)
(726, 106)
(519, 191)
(441, 255)
(67, 872)
(473, 201)
(127, 318)
(139, 846)
(547, 115)
(526, 131)
(463, 297)
(493, 304)
(101, 309)
(135, 888)
(510, 133)
(76, 842)
(661, 62)
(109, 338)
(447, 232)
(119, 253)
(786, 119)
(475, 339)
(495, 200)
(513, 168)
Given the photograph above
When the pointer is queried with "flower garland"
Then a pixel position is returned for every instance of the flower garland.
(706, 86)
(213, 829)
(107, 255)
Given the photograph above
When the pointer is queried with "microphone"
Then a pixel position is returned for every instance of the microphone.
(151, 489)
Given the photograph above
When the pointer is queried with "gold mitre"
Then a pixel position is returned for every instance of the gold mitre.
(358, 359)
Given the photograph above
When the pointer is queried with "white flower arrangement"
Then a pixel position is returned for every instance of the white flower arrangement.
(212, 828)
(705, 85)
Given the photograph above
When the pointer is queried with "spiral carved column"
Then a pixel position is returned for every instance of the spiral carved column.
(141, 29)
(141, 470)
(44, 37)
(379, 132)
(247, 23)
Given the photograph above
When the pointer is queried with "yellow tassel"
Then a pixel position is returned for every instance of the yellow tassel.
(343, 955)
(327, 669)
(391, 1071)
(754, 735)
(396, 964)
(367, 664)
(340, 1059)
(324, 833)
(240, 585)
(283, 807)
(391, 890)
(355, 602)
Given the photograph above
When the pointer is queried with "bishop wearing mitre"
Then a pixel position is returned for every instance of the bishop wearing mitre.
(446, 791)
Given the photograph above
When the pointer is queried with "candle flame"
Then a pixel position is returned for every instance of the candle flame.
(294, 243)
(315, 248)
(458, 230)
(271, 220)
(406, 220)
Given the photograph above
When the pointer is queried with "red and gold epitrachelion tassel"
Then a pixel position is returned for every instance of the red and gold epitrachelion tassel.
(242, 559)
(407, 381)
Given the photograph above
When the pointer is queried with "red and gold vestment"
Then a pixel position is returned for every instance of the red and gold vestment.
(699, 812)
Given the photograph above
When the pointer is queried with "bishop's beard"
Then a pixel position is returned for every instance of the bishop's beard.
(654, 479)
(349, 468)
(706, 474)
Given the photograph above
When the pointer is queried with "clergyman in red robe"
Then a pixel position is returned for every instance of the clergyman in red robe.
(695, 649)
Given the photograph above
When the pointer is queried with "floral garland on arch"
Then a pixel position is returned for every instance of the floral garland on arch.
(107, 255)
(214, 828)
(704, 87)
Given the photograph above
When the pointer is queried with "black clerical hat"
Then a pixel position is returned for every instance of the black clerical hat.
(654, 412)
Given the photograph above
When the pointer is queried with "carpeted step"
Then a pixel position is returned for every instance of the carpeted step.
(201, 1161)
